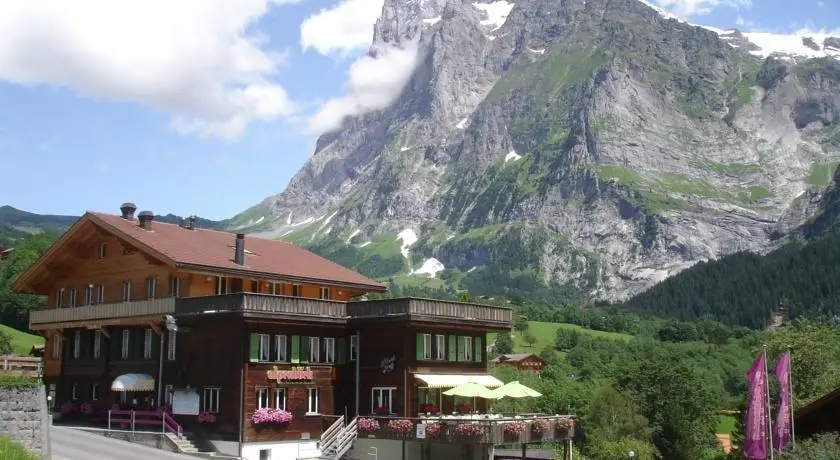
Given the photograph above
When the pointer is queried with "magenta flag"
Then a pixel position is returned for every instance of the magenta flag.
(755, 425)
(782, 428)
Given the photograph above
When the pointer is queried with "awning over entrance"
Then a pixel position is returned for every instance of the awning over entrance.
(133, 382)
(454, 380)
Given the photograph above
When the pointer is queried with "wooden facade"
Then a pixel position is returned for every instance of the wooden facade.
(528, 362)
(106, 317)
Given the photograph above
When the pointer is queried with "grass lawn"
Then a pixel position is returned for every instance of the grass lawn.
(545, 334)
(10, 450)
(726, 423)
(21, 341)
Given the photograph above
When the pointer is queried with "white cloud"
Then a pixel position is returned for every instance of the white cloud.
(700, 7)
(190, 57)
(345, 27)
(740, 21)
(372, 84)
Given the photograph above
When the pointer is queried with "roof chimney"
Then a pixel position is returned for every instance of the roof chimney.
(239, 249)
(191, 223)
(127, 210)
(146, 218)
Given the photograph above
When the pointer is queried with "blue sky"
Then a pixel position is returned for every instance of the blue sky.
(212, 109)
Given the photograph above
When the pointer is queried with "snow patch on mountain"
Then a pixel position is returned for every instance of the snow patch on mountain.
(497, 13)
(408, 237)
(512, 156)
(431, 267)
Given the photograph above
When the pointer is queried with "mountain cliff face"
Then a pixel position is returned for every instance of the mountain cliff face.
(597, 145)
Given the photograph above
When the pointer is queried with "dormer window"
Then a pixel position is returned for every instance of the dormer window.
(103, 250)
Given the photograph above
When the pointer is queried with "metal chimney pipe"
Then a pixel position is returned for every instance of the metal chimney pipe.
(239, 249)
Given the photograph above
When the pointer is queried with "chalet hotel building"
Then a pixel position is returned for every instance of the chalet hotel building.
(208, 322)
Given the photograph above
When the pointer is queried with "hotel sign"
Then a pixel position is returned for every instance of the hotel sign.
(295, 374)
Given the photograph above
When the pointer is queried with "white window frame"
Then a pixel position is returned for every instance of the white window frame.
(125, 344)
(314, 350)
(175, 286)
(221, 285)
(93, 395)
(171, 345)
(276, 289)
(126, 291)
(97, 344)
(100, 293)
(427, 347)
(74, 392)
(59, 297)
(71, 297)
(468, 348)
(374, 400)
(329, 350)
(88, 295)
(295, 290)
(280, 398)
(77, 344)
(354, 347)
(210, 401)
(147, 343)
(261, 394)
(325, 293)
(282, 344)
(167, 394)
(440, 341)
(265, 348)
(103, 250)
(310, 410)
(151, 287)
(56, 346)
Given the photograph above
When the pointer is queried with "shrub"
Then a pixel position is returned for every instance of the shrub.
(434, 429)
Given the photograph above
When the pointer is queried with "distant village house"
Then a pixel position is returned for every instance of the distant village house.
(523, 361)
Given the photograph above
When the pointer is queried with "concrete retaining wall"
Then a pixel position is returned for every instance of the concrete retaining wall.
(21, 418)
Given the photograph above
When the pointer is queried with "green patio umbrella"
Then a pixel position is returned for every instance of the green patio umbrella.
(515, 390)
(470, 390)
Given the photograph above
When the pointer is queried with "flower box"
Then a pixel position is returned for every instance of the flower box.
(470, 431)
(434, 430)
(399, 428)
(540, 429)
(429, 409)
(268, 416)
(368, 426)
(512, 432)
(564, 427)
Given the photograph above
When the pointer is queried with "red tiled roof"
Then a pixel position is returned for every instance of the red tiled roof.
(214, 250)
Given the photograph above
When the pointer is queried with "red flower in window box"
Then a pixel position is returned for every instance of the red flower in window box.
(429, 408)
(383, 410)
(463, 408)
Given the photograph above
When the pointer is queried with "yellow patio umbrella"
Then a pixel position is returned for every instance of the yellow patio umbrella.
(470, 390)
(515, 390)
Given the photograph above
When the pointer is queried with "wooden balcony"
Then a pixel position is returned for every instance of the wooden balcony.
(274, 306)
(431, 310)
(102, 314)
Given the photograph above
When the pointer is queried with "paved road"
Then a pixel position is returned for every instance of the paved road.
(73, 444)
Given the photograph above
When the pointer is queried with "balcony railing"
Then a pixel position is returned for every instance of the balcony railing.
(41, 319)
(431, 309)
(263, 303)
(496, 431)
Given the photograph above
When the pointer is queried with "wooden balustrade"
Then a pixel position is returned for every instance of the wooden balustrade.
(20, 365)
(65, 317)
(430, 309)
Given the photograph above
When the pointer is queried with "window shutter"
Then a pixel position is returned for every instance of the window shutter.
(453, 349)
(340, 350)
(295, 349)
(304, 349)
(479, 349)
(419, 346)
(461, 354)
(255, 348)
(155, 355)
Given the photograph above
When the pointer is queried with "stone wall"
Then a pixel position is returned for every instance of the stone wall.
(22, 419)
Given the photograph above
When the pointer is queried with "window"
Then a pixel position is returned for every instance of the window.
(221, 285)
(467, 348)
(168, 390)
(440, 342)
(314, 350)
(74, 392)
(97, 344)
(276, 289)
(103, 250)
(93, 391)
(325, 293)
(211, 399)
(88, 295)
(262, 398)
(71, 297)
(125, 343)
(126, 291)
(151, 288)
(296, 290)
(175, 286)
(170, 349)
(255, 286)
(382, 400)
(100, 293)
(280, 398)
(311, 400)
(329, 350)
(265, 347)
(354, 345)
(265, 454)
(56, 346)
(282, 343)
(147, 344)
(59, 298)
(77, 344)
(427, 346)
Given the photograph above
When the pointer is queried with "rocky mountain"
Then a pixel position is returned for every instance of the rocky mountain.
(594, 146)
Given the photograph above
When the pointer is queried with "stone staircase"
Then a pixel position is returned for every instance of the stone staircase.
(190, 443)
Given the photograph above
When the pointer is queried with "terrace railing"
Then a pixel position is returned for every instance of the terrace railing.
(90, 314)
(495, 431)
(130, 420)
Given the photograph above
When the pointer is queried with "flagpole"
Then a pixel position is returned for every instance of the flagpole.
(790, 386)
(768, 412)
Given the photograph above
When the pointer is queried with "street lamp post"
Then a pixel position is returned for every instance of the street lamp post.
(631, 455)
